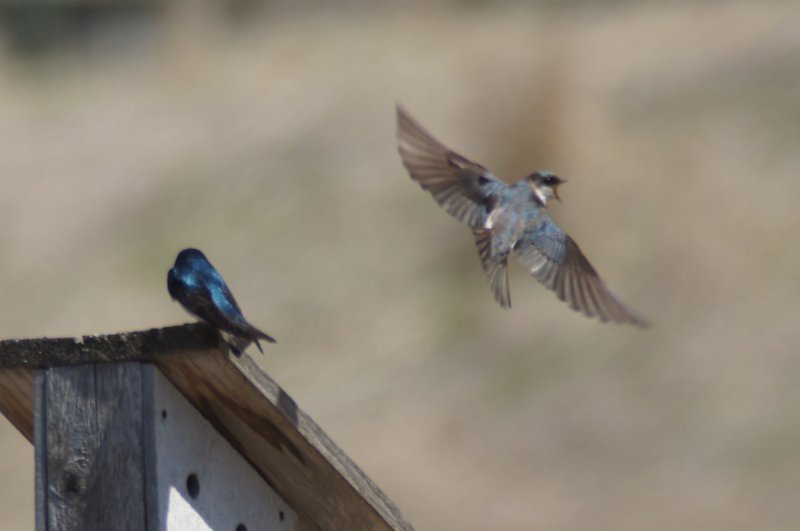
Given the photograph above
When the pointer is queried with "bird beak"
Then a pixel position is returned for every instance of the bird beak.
(555, 190)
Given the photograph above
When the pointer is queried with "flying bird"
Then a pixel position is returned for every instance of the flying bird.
(509, 219)
(202, 291)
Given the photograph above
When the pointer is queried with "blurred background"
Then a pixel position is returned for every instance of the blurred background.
(264, 134)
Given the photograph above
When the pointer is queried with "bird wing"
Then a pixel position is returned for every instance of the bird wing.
(236, 324)
(200, 301)
(459, 185)
(557, 262)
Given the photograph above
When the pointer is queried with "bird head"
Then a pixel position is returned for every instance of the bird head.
(545, 185)
(189, 255)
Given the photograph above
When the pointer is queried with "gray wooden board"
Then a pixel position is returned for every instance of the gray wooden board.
(258, 418)
(90, 426)
(40, 447)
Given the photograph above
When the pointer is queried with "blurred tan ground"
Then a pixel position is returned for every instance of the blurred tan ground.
(270, 145)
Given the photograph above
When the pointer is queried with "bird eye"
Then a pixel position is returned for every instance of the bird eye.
(550, 181)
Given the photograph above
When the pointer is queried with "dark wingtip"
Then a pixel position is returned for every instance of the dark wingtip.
(629, 317)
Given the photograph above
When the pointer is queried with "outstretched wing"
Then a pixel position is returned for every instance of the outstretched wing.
(555, 260)
(459, 185)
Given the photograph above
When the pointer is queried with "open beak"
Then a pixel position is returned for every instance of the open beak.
(555, 190)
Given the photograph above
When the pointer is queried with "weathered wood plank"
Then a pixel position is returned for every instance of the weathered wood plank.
(259, 419)
(93, 475)
(146, 345)
(40, 448)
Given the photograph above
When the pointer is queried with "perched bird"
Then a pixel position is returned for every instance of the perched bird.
(506, 219)
(202, 291)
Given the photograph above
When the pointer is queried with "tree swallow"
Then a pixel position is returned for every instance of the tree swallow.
(202, 291)
(509, 219)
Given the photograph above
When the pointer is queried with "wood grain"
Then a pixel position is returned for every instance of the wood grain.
(16, 399)
(93, 477)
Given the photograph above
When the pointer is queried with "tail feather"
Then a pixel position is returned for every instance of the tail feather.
(240, 340)
(256, 334)
(496, 269)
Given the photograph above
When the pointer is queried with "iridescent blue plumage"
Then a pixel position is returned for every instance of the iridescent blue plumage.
(506, 219)
(202, 291)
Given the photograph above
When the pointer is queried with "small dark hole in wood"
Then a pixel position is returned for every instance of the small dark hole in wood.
(193, 486)
(71, 483)
(280, 515)
(163, 414)
(241, 527)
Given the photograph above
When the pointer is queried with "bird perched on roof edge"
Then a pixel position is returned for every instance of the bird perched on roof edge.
(202, 291)
(506, 219)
